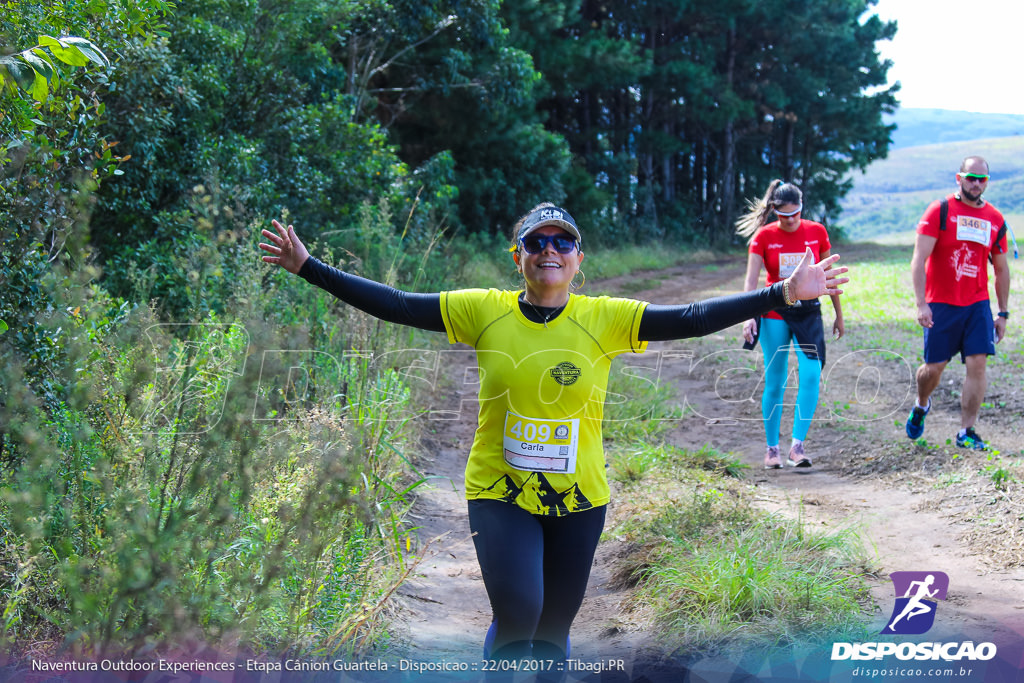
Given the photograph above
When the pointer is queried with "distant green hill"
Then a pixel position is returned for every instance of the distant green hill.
(889, 198)
(916, 127)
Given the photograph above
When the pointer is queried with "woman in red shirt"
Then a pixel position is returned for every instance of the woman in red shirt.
(778, 247)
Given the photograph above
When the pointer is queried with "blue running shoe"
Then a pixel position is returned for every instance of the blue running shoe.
(915, 422)
(971, 440)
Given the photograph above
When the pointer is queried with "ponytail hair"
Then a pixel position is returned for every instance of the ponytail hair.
(758, 211)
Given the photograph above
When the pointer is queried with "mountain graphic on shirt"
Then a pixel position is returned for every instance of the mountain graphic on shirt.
(575, 500)
(507, 488)
(557, 503)
(538, 495)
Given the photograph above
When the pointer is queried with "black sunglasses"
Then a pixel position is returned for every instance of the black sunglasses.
(534, 244)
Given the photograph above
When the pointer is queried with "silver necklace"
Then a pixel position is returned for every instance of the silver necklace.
(544, 318)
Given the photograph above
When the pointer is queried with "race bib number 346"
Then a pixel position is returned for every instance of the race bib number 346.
(970, 229)
(537, 445)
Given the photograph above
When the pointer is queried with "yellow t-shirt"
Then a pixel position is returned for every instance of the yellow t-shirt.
(538, 441)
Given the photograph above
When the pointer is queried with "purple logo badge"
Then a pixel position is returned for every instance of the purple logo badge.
(916, 596)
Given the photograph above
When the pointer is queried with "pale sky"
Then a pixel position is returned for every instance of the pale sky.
(957, 54)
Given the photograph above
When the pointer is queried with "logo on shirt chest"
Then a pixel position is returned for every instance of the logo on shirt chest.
(565, 373)
(964, 262)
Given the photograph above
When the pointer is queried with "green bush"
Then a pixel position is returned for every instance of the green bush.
(179, 491)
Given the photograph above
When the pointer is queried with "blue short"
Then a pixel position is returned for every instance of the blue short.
(967, 329)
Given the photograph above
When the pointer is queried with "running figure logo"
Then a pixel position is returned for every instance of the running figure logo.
(964, 263)
(914, 612)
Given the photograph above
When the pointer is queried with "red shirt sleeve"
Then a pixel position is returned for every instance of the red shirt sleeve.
(929, 223)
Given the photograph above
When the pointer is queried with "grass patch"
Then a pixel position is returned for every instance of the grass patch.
(767, 583)
(633, 258)
(637, 409)
(712, 572)
(632, 462)
(640, 285)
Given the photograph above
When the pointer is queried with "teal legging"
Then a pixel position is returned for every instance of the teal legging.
(776, 338)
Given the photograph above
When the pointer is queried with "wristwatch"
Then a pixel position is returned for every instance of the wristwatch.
(1004, 314)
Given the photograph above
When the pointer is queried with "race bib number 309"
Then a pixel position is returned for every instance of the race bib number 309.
(788, 263)
(537, 445)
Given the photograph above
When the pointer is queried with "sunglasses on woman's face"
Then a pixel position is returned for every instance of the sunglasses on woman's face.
(534, 244)
(787, 214)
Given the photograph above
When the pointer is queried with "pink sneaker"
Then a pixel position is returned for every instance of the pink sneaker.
(772, 461)
(797, 457)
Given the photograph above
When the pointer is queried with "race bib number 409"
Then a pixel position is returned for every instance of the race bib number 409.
(537, 445)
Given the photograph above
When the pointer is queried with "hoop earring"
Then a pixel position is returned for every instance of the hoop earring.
(579, 286)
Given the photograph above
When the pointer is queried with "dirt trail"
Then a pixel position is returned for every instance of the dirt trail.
(445, 605)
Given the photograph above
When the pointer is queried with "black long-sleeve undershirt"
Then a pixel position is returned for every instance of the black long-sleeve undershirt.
(379, 300)
(659, 322)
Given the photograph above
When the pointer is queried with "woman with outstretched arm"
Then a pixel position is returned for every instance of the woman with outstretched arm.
(535, 477)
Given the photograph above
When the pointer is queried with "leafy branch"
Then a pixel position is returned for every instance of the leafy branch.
(35, 71)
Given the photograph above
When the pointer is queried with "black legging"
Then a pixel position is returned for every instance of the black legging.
(535, 569)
